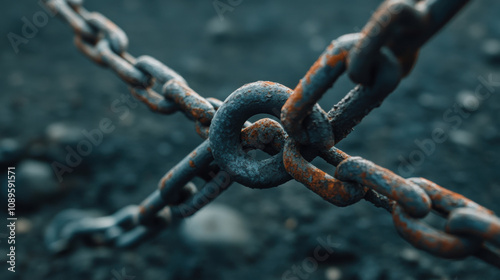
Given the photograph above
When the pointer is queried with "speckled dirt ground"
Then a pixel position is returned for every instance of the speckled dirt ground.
(50, 92)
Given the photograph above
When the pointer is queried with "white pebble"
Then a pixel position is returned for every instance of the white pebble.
(216, 224)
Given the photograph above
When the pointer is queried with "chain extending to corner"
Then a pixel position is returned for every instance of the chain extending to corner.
(377, 59)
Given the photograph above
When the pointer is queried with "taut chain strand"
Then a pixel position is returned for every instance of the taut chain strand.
(376, 59)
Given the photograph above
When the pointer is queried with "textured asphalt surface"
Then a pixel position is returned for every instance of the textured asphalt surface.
(50, 93)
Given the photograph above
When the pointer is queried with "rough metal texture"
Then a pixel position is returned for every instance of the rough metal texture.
(376, 58)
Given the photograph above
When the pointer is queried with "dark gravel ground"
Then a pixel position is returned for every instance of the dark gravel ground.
(50, 93)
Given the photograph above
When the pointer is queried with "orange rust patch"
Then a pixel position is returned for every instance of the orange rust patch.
(198, 130)
(268, 83)
(492, 231)
(394, 195)
(333, 60)
(330, 47)
(165, 179)
(398, 221)
(438, 193)
(434, 240)
(314, 68)
(386, 177)
(363, 178)
(191, 164)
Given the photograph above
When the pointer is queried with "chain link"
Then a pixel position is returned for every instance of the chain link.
(377, 59)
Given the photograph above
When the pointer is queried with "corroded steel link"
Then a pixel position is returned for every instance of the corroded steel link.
(175, 199)
(118, 40)
(403, 26)
(90, 50)
(122, 67)
(107, 47)
(444, 201)
(249, 100)
(161, 75)
(468, 226)
(198, 160)
(335, 156)
(157, 69)
(363, 99)
(211, 190)
(266, 135)
(171, 215)
(80, 26)
(407, 194)
(353, 107)
(193, 105)
(70, 224)
(320, 77)
(376, 59)
(379, 200)
(218, 103)
(330, 189)
(115, 230)
(434, 241)
(154, 100)
(473, 222)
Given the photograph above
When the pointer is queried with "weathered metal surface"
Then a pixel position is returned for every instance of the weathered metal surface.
(249, 100)
(320, 77)
(412, 198)
(330, 189)
(434, 241)
(470, 221)
(376, 58)
(444, 201)
(401, 26)
(193, 105)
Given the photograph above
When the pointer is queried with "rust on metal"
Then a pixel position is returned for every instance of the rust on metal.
(413, 199)
(444, 200)
(377, 59)
(431, 240)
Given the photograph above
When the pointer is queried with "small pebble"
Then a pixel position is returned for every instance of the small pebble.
(463, 138)
(491, 50)
(410, 255)
(9, 149)
(64, 133)
(333, 273)
(430, 101)
(23, 225)
(468, 101)
(35, 182)
(216, 224)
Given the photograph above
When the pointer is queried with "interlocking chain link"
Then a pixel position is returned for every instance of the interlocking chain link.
(377, 59)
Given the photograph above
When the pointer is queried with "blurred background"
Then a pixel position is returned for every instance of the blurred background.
(51, 93)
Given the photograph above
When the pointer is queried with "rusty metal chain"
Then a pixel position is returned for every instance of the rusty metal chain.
(377, 59)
